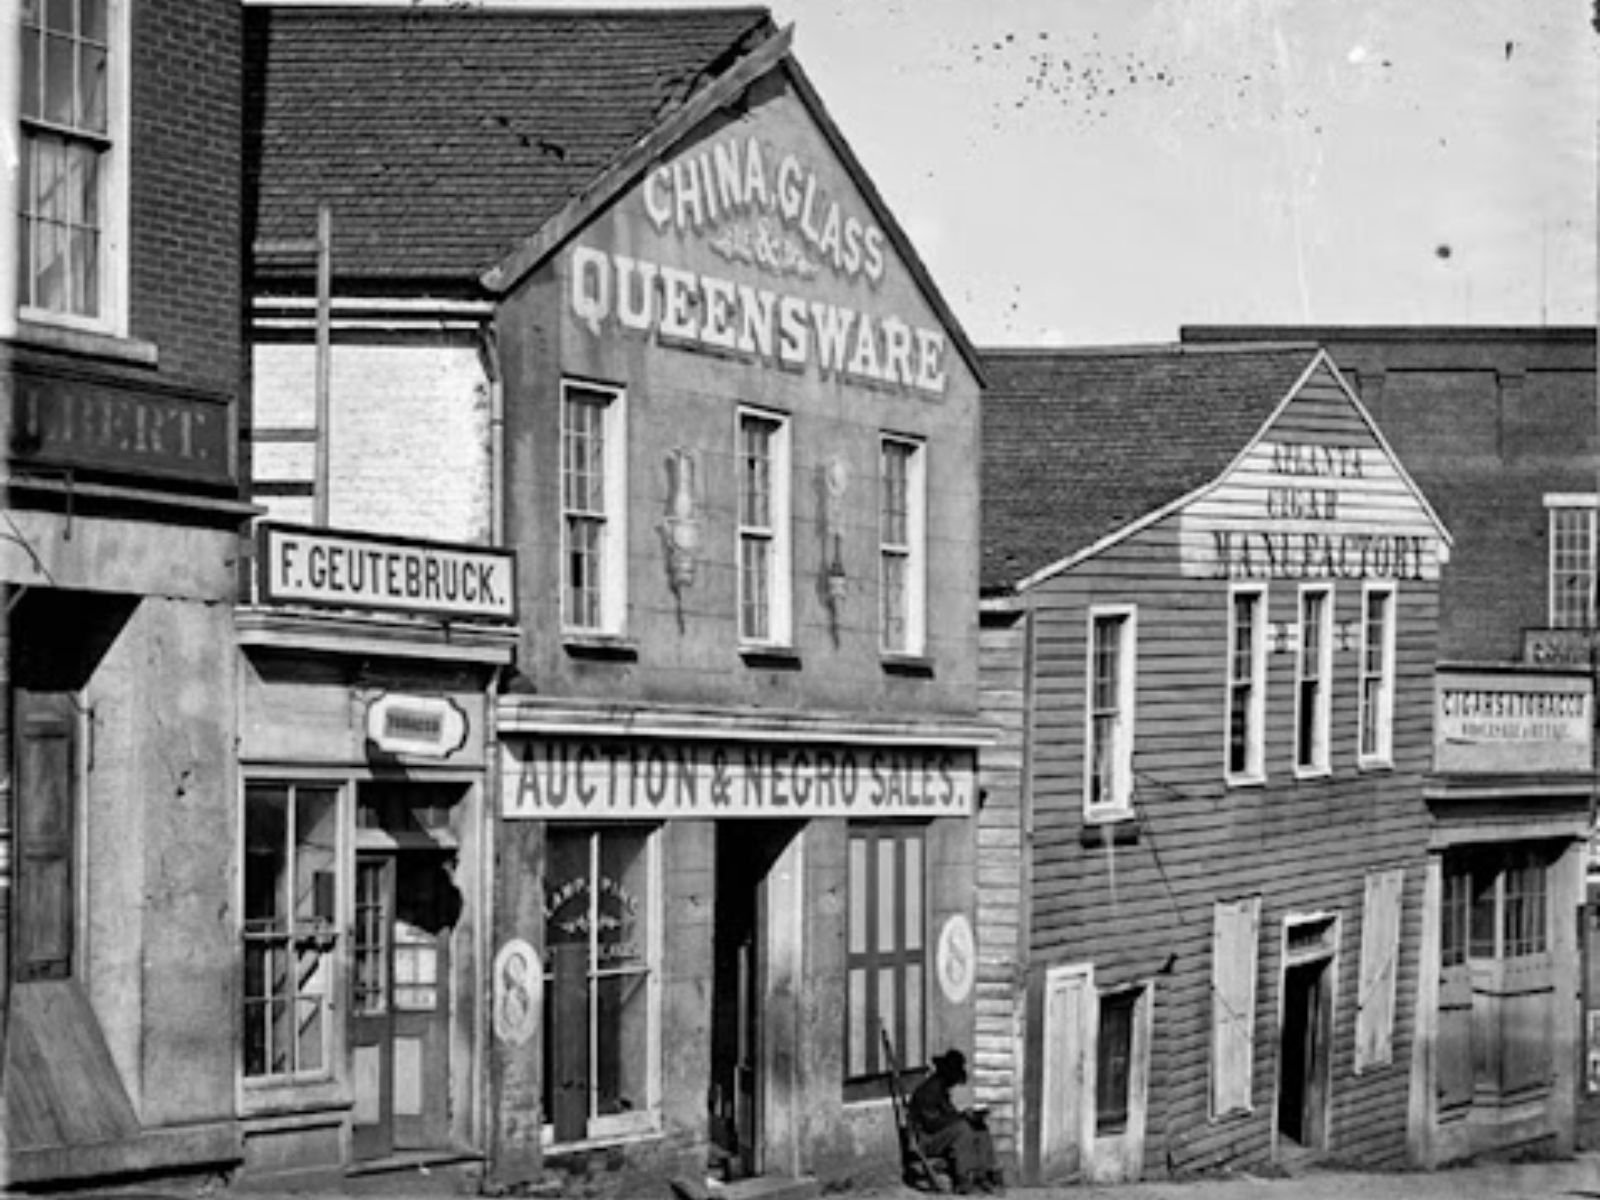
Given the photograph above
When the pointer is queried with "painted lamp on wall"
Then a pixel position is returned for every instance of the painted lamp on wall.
(836, 479)
(680, 528)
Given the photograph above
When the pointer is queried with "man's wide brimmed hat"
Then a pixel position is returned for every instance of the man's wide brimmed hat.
(952, 1064)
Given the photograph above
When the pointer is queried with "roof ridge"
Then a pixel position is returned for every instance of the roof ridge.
(1146, 349)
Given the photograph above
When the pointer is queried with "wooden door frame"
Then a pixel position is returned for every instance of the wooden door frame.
(1327, 953)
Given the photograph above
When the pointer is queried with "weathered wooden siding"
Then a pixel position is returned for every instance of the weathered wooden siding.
(1143, 910)
(1002, 874)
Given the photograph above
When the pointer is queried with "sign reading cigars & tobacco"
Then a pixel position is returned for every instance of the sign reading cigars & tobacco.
(355, 570)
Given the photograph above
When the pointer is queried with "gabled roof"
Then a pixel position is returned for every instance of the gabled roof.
(442, 136)
(1078, 444)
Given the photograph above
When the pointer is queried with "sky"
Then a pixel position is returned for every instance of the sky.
(1092, 172)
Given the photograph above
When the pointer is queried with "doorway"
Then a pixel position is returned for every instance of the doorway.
(406, 908)
(741, 955)
(1305, 1040)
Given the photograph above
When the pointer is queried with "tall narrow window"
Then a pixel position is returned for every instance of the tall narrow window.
(291, 927)
(886, 952)
(1312, 681)
(594, 539)
(1247, 665)
(1108, 760)
(763, 529)
(66, 157)
(1377, 675)
(1572, 561)
(601, 942)
(902, 533)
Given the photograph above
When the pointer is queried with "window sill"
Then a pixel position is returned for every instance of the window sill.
(1245, 781)
(1310, 774)
(1374, 764)
(86, 341)
(599, 647)
(1119, 829)
(778, 657)
(911, 665)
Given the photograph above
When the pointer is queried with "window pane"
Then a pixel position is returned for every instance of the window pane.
(622, 1043)
(887, 939)
(266, 859)
(861, 1032)
(623, 912)
(60, 59)
(316, 854)
(913, 894)
(859, 896)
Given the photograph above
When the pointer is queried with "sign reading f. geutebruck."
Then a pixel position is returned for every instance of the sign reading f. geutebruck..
(359, 570)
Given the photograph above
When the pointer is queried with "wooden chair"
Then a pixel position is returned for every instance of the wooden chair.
(916, 1168)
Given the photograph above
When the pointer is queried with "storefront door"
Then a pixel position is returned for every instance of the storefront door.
(746, 852)
(400, 1001)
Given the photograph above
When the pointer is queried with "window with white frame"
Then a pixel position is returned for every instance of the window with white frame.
(1313, 681)
(594, 528)
(602, 946)
(72, 162)
(1377, 675)
(1108, 757)
(902, 536)
(291, 928)
(1247, 683)
(763, 528)
(1572, 561)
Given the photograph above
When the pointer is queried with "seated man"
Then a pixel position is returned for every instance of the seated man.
(945, 1131)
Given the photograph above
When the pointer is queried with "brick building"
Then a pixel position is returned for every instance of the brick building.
(120, 367)
(1498, 426)
(655, 335)
(1209, 611)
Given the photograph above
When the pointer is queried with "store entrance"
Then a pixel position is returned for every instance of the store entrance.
(406, 907)
(745, 854)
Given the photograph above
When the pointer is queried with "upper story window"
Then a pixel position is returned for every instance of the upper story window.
(1377, 675)
(763, 528)
(1313, 677)
(1108, 760)
(1247, 683)
(593, 497)
(71, 160)
(902, 541)
(1572, 561)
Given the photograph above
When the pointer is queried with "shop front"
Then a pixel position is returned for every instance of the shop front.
(1499, 1042)
(725, 927)
(365, 856)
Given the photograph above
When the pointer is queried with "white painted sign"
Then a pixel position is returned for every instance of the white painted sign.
(585, 779)
(418, 726)
(1299, 510)
(518, 992)
(355, 570)
(1516, 722)
(956, 959)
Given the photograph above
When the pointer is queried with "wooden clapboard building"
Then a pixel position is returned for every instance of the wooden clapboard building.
(1496, 424)
(644, 314)
(1208, 622)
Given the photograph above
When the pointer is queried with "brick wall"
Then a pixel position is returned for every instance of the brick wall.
(409, 448)
(185, 188)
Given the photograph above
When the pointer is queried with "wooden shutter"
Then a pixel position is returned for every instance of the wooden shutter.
(1234, 937)
(1380, 964)
(45, 771)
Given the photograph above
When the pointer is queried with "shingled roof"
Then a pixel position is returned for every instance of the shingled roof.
(1078, 444)
(442, 137)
